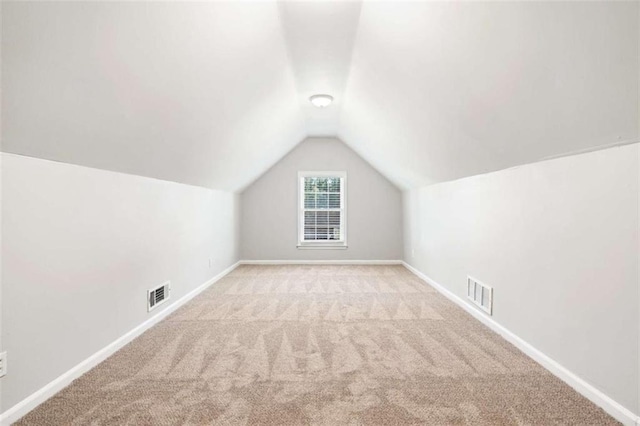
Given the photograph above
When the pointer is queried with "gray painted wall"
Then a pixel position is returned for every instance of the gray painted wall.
(81, 247)
(558, 241)
(269, 207)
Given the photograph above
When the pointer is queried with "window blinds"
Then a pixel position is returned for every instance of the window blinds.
(323, 208)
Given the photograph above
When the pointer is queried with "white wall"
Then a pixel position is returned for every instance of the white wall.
(269, 207)
(80, 248)
(558, 241)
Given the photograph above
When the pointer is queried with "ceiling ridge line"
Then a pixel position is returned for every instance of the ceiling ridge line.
(591, 149)
(345, 89)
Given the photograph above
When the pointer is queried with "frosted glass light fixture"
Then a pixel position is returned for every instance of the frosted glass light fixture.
(321, 101)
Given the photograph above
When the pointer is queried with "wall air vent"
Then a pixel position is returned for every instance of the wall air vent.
(157, 296)
(480, 294)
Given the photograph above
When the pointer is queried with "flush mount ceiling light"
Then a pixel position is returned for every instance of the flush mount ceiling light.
(321, 101)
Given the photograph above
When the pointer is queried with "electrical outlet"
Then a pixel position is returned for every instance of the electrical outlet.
(210, 262)
(3, 364)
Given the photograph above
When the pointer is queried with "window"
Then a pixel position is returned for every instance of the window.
(321, 210)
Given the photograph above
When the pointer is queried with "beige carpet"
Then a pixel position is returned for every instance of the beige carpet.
(331, 345)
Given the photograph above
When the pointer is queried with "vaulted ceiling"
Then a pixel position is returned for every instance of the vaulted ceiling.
(214, 93)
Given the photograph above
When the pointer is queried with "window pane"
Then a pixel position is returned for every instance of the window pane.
(334, 185)
(309, 233)
(334, 218)
(309, 201)
(323, 218)
(309, 218)
(334, 201)
(330, 183)
(309, 184)
(334, 225)
(334, 233)
(322, 201)
(322, 233)
(322, 185)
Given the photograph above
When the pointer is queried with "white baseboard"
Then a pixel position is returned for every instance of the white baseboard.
(596, 396)
(612, 407)
(321, 262)
(14, 413)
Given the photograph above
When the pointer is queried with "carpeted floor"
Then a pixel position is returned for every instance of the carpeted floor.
(332, 345)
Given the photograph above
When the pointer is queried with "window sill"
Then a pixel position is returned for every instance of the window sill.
(321, 246)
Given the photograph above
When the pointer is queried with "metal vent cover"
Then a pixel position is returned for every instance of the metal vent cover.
(480, 294)
(157, 296)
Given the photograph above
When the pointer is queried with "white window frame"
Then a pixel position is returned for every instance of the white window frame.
(329, 244)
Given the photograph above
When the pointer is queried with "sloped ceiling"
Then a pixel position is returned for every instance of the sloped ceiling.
(320, 37)
(198, 93)
(443, 90)
(214, 93)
